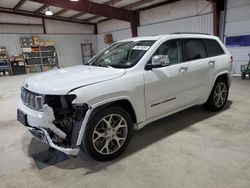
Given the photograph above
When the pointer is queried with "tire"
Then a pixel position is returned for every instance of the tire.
(103, 140)
(243, 75)
(218, 96)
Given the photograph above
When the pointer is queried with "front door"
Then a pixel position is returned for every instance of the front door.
(165, 87)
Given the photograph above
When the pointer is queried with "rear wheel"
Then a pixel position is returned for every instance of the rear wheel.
(218, 96)
(108, 133)
(243, 75)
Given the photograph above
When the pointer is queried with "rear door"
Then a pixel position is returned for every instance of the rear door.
(194, 53)
(216, 57)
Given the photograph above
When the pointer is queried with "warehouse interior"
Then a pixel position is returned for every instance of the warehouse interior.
(193, 148)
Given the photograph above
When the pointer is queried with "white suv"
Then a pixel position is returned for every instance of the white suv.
(131, 83)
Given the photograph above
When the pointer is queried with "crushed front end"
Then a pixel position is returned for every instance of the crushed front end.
(53, 119)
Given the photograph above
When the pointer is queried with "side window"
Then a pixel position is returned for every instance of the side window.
(193, 49)
(171, 49)
(213, 48)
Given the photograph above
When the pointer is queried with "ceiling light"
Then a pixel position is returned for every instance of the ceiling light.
(48, 12)
(74, 0)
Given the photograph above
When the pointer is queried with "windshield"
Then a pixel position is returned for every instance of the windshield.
(122, 54)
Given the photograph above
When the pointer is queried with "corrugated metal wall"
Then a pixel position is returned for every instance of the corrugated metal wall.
(182, 16)
(201, 24)
(117, 35)
(238, 23)
(68, 46)
(59, 27)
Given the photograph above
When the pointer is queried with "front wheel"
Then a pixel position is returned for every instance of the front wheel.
(107, 133)
(218, 96)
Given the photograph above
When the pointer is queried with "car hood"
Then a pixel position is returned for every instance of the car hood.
(61, 81)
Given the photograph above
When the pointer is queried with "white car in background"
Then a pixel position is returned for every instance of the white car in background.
(131, 83)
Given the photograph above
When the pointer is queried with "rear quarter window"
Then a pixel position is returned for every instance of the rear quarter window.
(213, 48)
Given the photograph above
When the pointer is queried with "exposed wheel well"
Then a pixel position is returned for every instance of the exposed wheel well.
(125, 104)
(224, 76)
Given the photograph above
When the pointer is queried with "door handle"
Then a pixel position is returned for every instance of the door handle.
(211, 63)
(183, 69)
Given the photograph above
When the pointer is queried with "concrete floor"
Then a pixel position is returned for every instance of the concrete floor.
(193, 148)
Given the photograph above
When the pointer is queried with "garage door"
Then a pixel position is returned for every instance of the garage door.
(237, 31)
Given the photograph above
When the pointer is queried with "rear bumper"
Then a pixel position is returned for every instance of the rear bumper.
(37, 123)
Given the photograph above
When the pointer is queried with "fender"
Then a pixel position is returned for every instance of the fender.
(95, 106)
(218, 73)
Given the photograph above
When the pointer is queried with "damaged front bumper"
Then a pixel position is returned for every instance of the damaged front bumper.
(40, 125)
(42, 135)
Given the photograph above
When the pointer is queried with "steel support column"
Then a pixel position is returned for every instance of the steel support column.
(135, 23)
(44, 26)
(216, 17)
(95, 29)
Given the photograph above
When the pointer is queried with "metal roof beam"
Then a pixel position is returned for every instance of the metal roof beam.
(136, 4)
(158, 5)
(91, 18)
(132, 5)
(146, 8)
(104, 20)
(42, 8)
(61, 12)
(27, 24)
(92, 8)
(19, 4)
(32, 14)
(78, 15)
(111, 2)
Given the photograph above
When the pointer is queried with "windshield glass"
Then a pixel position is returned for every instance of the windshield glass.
(122, 54)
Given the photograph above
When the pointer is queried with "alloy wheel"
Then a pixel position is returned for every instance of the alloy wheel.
(220, 94)
(109, 134)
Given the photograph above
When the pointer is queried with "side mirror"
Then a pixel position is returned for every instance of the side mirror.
(158, 61)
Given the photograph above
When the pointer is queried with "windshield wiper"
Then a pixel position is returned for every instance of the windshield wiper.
(101, 65)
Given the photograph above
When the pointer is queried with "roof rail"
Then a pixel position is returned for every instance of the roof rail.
(190, 33)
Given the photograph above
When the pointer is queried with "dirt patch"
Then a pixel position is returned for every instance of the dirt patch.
(8, 123)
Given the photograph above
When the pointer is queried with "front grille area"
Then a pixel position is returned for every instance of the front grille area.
(32, 100)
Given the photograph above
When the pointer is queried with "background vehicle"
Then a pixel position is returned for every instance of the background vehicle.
(126, 86)
(245, 69)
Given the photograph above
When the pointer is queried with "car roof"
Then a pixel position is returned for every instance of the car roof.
(174, 35)
(156, 37)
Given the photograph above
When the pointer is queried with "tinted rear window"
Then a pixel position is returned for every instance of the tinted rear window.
(193, 49)
(213, 48)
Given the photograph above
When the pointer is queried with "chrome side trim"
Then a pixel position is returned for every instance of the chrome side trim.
(167, 100)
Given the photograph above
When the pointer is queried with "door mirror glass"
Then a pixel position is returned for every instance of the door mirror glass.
(158, 61)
